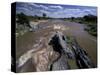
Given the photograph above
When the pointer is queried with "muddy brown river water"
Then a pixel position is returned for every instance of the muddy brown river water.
(85, 40)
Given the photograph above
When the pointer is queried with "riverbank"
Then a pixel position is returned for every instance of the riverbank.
(85, 40)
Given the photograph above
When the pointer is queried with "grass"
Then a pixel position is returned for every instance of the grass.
(92, 29)
(72, 63)
(69, 39)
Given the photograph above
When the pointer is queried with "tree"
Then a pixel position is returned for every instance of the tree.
(44, 15)
(72, 18)
(22, 19)
(90, 18)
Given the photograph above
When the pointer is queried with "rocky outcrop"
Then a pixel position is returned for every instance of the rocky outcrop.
(53, 53)
(82, 58)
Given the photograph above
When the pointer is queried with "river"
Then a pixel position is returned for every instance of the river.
(84, 39)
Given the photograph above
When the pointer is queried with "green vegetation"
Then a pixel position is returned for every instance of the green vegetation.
(90, 18)
(44, 15)
(72, 64)
(69, 39)
(22, 19)
(92, 29)
(23, 22)
(90, 22)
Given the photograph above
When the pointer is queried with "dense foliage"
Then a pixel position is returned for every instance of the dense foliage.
(22, 19)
